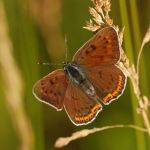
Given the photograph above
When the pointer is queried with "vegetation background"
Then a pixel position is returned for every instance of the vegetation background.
(36, 31)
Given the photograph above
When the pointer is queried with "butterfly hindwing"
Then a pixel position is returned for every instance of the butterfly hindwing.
(102, 49)
(80, 108)
(109, 81)
(52, 88)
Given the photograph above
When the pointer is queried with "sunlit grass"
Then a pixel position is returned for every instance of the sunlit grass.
(131, 48)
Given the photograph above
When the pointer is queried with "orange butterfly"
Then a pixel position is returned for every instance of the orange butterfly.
(90, 79)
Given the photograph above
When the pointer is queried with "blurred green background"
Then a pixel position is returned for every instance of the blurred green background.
(36, 30)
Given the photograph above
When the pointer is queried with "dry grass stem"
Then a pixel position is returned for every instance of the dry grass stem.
(63, 141)
(133, 74)
(100, 15)
(145, 40)
(13, 86)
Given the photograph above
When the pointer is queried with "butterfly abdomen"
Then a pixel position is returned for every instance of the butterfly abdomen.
(88, 88)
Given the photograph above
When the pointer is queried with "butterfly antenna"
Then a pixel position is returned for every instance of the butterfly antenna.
(66, 48)
(49, 64)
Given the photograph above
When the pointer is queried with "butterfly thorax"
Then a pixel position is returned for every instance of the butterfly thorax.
(77, 76)
(74, 73)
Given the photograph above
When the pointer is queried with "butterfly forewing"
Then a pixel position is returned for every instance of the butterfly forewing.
(102, 49)
(52, 88)
(109, 81)
(80, 108)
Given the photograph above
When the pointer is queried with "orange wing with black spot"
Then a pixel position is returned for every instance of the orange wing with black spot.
(108, 81)
(51, 89)
(98, 57)
(102, 49)
(80, 108)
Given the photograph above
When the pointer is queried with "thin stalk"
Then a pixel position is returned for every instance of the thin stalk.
(140, 140)
(137, 37)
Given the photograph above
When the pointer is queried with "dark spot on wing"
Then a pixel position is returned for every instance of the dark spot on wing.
(102, 57)
(93, 46)
(91, 106)
(100, 74)
(104, 47)
(112, 79)
(51, 81)
(87, 52)
(106, 51)
(112, 57)
(104, 39)
(82, 57)
(46, 91)
(107, 41)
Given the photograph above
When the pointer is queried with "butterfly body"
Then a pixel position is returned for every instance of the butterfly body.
(75, 73)
(91, 78)
(77, 76)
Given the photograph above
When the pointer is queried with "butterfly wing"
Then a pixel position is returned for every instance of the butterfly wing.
(108, 81)
(102, 49)
(51, 89)
(98, 58)
(79, 107)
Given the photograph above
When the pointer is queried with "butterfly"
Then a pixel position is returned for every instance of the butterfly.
(90, 80)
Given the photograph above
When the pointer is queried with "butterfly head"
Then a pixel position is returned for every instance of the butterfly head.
(65, 65)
